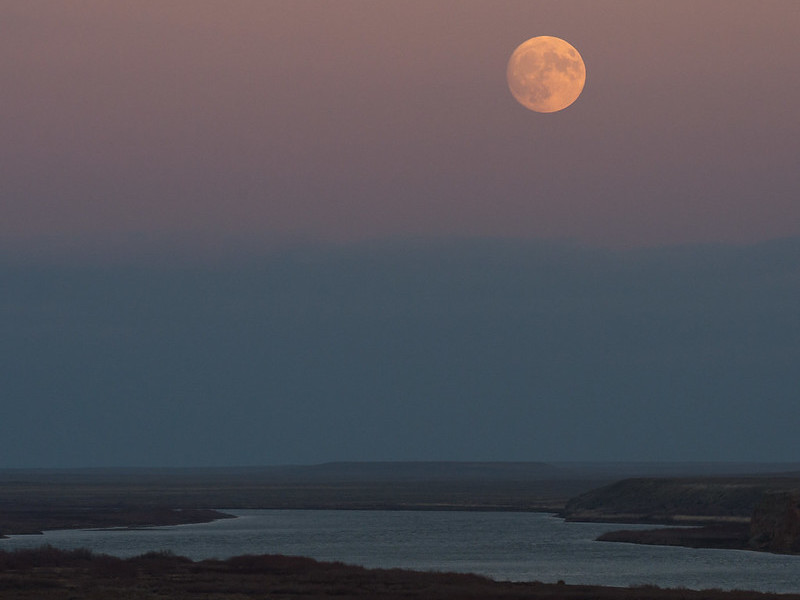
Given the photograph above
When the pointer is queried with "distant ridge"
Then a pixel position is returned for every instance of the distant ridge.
(411, 471)
(431, 471)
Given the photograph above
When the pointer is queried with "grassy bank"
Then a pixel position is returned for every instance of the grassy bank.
(51, 574)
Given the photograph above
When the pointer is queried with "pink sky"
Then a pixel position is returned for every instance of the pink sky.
(352, 120)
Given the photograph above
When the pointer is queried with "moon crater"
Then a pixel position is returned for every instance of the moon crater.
(546, 74)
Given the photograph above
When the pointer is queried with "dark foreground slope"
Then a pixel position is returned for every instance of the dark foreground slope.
(50, 574)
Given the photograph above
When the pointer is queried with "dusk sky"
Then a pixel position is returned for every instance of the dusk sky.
(260, 232)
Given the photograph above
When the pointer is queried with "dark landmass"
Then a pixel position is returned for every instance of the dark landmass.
(32, 501)
(733, 536)
(50, 574)
(742, 513)
(344, 485)
(34, 521)
(775, 526)
(678, 501)
(35, 500)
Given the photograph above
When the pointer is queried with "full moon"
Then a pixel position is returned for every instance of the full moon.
(546, 74)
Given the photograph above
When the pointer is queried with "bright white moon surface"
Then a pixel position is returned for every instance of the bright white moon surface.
(546, 74)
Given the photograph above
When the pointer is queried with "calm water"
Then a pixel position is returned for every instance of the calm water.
(508, 546)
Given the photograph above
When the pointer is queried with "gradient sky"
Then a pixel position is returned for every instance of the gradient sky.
(356, 120)
(269, 232)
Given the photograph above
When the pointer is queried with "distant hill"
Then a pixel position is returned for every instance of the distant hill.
(425, 471)
(409, 471)
(488, 471)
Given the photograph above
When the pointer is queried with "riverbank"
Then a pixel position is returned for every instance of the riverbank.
(741, 513)
(32, 501)
(730, 536)
(26, 521)
(51, 574)
(36, 500)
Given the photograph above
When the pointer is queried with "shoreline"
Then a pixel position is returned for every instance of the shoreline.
(698, 537)
(714, 535)
(48, 573)
(37, 521)
(711, 535)
(720, 536)
(722, 507)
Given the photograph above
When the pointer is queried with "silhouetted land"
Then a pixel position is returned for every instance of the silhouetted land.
(50, 574)
(722, 507)
(676, 500)
(25, 520)
(34, 500)
(732, 536)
